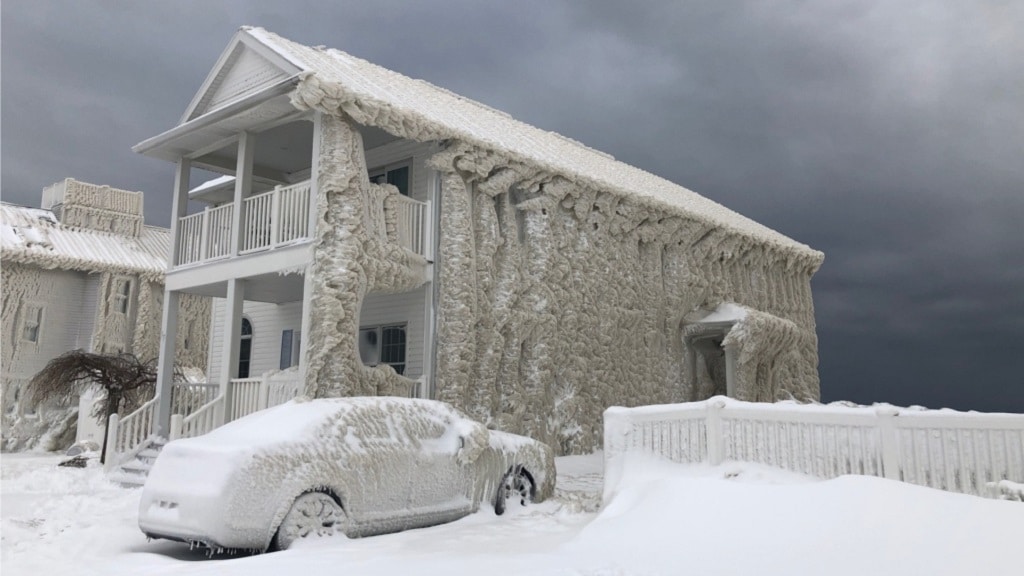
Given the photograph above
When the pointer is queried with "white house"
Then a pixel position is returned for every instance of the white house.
(82, 272)
(391, 237)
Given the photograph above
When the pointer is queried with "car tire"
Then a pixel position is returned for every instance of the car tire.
(516, 488)
(312, 514)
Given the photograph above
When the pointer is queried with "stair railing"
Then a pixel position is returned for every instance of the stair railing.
(127, 436)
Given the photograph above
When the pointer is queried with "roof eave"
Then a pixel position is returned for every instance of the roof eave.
(162, 145)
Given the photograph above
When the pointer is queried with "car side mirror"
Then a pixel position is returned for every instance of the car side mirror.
(473, 438)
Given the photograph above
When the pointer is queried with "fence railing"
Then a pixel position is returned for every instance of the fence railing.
(186, 398)
(269, 220)
(205, 236)
(954, 451)
(126, 436)
(205, 419)
(276, 217)
(411, 217)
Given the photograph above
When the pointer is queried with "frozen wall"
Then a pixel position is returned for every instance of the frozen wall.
(79, 311)
(558, 301)
(349, 262)
(558, 297)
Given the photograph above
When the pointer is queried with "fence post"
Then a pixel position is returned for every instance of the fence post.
(175, 427)
(889, 441)
(716, 442)
(263, 398)
(110, 455)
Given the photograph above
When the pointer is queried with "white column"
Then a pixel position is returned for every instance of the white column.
(169, 316)
(314, 185)
(231, 345)
(243, 187)
(305, 335)
(730, 372)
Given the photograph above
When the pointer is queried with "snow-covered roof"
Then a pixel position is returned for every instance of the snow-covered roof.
(429, 112)
(35, 236)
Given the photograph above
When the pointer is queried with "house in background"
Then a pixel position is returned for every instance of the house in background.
(82, 272)
(386, 236)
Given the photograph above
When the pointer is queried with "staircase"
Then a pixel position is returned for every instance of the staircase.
(133, 473)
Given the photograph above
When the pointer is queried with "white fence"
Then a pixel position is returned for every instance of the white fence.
(944, 449)
(245, 396)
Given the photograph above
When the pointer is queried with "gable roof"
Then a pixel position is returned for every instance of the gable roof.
(370, 92)
(35, 237)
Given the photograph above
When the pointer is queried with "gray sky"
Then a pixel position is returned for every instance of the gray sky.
(888, 134)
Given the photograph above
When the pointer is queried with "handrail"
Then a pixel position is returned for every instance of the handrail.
(126, 436)
(205, 419)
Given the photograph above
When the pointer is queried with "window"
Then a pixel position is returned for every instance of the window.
(383, 345)
(31, 322)
(396, 174)
(122, 294)
(290, 348)
(245, 349)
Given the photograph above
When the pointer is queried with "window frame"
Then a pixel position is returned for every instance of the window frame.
(384, 169)
(36, 323)
(378, 331)
(122, 294)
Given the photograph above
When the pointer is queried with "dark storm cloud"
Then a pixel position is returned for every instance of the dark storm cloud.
(888, 134)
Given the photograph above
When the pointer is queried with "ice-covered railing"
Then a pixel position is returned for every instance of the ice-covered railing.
(944, 449)
(411, 218)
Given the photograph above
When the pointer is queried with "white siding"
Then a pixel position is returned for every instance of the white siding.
(60, 294)
(268, 322)
(405, 308)
(87, 311)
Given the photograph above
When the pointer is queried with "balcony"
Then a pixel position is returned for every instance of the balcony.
(280, 217)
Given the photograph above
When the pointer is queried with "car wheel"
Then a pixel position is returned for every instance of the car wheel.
(312, 514)
(515, 489)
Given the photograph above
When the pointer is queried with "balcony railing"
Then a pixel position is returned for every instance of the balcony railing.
(274, 218)
(280, 217)
(205, 236)
(269, 220)
(411, 220)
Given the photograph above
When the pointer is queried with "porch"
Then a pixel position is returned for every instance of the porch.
(279, 218)
(197, 409)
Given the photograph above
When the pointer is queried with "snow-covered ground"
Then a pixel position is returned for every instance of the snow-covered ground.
(663, 519)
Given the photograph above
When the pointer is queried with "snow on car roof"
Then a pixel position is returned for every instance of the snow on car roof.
(303, 420)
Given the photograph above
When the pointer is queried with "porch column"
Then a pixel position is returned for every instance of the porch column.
(243, 187)
(169, 317)
(730, 371)
(232, 335)
(306, 327)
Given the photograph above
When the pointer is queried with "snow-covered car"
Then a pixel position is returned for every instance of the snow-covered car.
(360, 466)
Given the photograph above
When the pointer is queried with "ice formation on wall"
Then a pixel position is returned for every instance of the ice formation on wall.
(350, 261)
(558, 300)
(564, 287)
(75, 274)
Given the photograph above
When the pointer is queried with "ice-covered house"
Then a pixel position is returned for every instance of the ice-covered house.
(82, 272)
(386, 236)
